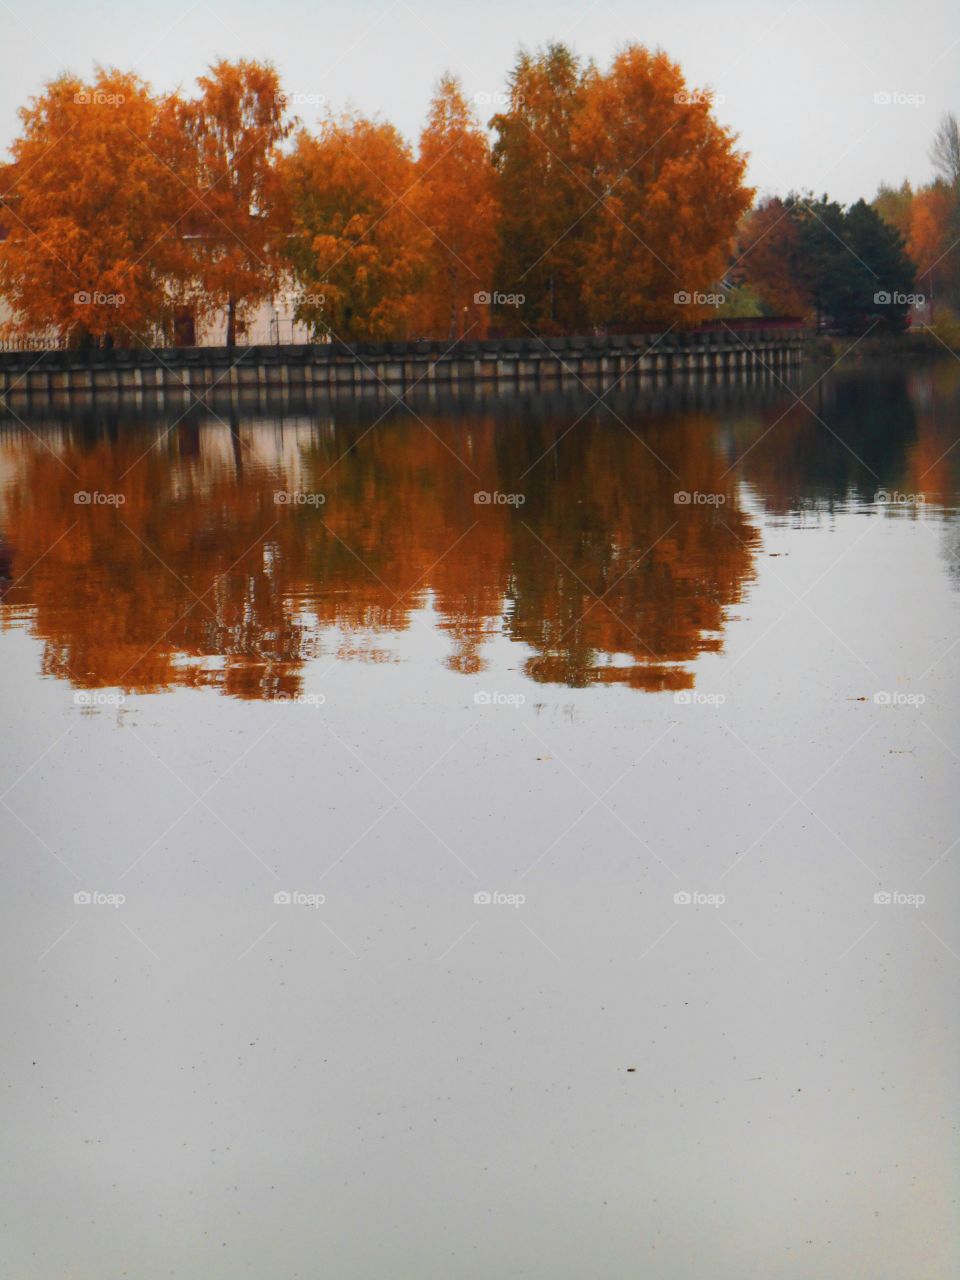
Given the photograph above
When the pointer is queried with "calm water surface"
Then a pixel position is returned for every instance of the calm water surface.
(483, 807)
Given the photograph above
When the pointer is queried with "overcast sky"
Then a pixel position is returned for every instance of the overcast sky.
(797, 77)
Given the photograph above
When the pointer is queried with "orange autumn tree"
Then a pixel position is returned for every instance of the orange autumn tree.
(929, 220)
(88, 206)
(235, 211)
(543, 197)
(358, 250)
(768, 257)
(669, 191)
(455, 198)
(931, 242)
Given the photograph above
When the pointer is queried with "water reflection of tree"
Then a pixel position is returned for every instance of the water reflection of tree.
(877, 427)
(201, 578)
(853, 436)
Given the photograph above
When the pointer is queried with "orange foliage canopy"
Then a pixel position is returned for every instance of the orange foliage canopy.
(543, 196)
(357, 248)
(454, 197)
(668, 187)
(932, 233)
(604, 196)
(619, 191)
(88, 206)
(237, 212)
(768, 251)
(929, 221)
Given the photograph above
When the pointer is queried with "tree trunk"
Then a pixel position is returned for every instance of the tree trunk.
(232, 322)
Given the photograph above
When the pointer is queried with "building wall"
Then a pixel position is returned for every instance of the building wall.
(261, 329)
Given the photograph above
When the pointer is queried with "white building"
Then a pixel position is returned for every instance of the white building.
(271, 323)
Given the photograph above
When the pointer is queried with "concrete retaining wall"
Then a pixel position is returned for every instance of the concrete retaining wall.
(398, 365)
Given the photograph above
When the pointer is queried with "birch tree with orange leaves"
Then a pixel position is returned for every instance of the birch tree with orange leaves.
(669, 191)
(358, 250)
(934, 223)
(88, 205)
(543, 196)
(235, 215)
(455, 198)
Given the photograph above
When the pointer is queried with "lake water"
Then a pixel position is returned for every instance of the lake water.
(509, 836)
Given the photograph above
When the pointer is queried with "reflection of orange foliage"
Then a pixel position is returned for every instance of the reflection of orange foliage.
(932, 467)
(641, 577)
(200, 578)
(128, 590)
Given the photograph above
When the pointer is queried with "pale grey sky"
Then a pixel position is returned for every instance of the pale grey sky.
(798, 77)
